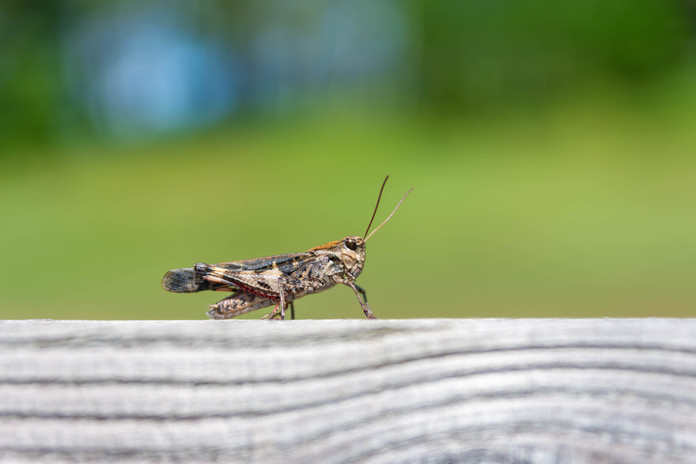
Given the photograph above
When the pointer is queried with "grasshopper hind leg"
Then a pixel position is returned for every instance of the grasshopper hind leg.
(278, 314)
(237, 304)
(274, 314)
(280, 307)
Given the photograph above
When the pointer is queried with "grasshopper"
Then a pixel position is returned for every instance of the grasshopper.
(279, 280)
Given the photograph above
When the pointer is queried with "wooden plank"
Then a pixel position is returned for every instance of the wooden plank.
(504, 391)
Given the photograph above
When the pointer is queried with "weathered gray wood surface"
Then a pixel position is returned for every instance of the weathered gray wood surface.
(494, 391)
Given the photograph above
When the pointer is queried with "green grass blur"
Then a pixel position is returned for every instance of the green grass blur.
(583, 209)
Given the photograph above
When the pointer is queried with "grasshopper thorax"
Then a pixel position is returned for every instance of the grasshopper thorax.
(347, 256)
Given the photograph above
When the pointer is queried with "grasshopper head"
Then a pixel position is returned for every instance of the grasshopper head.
(352, 254)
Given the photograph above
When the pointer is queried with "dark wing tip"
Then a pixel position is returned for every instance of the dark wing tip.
(184, 280)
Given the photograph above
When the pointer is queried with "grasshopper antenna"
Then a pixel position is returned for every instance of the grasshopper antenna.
(379, 197)
(390, 215)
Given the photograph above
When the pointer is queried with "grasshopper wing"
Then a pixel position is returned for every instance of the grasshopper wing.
(261, 276)
(235, 275)
(187, 280)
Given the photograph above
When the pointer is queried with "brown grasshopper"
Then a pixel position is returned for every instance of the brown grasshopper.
(261, 282)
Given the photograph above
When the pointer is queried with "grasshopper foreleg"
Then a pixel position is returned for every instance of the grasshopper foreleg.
(358, 291)
(363, 304)
(362, 291)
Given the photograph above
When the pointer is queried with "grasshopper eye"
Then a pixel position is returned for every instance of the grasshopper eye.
(351, 245)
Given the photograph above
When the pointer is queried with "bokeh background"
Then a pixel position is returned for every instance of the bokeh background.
(551, 147)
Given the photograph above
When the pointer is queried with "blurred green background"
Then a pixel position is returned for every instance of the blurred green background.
(551, 148)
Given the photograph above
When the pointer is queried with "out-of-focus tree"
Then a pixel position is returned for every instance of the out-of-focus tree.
(479, 54)
(30, 83)
(127, 67)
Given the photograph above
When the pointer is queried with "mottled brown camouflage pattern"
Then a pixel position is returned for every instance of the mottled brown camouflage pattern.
(261, 282)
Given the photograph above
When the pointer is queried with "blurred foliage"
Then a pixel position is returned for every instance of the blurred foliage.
(551, 149)
(482, 54)
(30, 83)
(460, 57)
